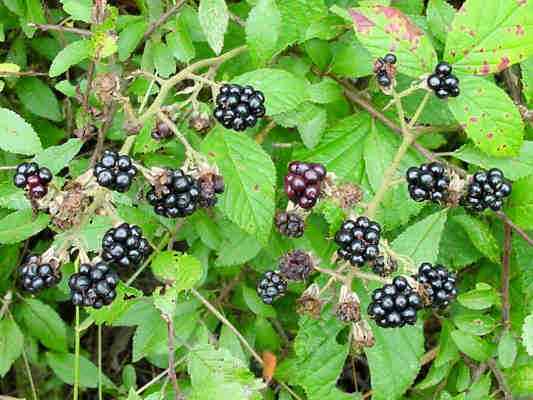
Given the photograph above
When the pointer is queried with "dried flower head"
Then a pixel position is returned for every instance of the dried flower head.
(348, 309)
(309, 303)
(362, 334)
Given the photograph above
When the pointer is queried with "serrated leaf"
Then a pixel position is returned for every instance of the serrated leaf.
(381, 29)
(456, 249)
(89, 235)
(16, 135)
(238, 246)
(326, 91)
(527, 334)
(57, 157)
(38, 98)
(488, 116)
(254, 303)
(312, 128)
(520, 207)
(262, 31)
(129, 39)
(248, 199)
(214, 18)
(79, 9)
(164, 62)
(71, 55)
(183, 270)
(13, 198)
(480, 235)
(482, 297)
(20, 225)
(11, 344)
(448, 352)
(345, 52)
(489, 37)
(472, 346)
(180, 43)
(440, 16)
(474, 323)
(507, 349)
(122, 303)
(480, 389)
(62, 365)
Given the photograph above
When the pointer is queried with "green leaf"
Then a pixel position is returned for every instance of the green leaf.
(129, 39)
(180, 43)
(11, 344)
(481, 236)
(262, 31)
(12, 197)
(44, 323)
(480, 389)
(283, 91)
(527, 334)
(71, 55)
(381, 29)
(217, 374)
(20, 225)
(132, 395)
(456, 249)
(507, 349)
(182, 269)
(440, 16)
(526, 68)
(214, 18)
(16, 135)
(38, 98)
(89, 235)
(62, 365)
(326, 91)
(448, 352)
(347, 50)
(237, 246)
(520, 207)
(489, 37)
(519, 379)
(121, 304)
(420, 241)
(488, 116)
(472, 346)
(482, 297)
(248, 199)
(164, 62)
(474, 323)
(79, 9)
(255, 304)
(57, 157)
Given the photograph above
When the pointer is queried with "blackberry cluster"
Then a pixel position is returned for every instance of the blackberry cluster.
(290, 224)
(443, 82)
(359, 241)
(296, 265)
(177, 198)
(161, 131)
(486, 190)
(439, 284)
(271, 286)
(93, 286)
(36, 276)
(114, 171)
(395, 305)
(33, 178)
(124, 245)
(302, 183)
(239, 107)
(210, 185)
(384, 70)
(383, 267)
(428, 182)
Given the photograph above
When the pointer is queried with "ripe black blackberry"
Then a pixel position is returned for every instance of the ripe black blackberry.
(178, 198)
(439, 284)
(385, 70)
(210, 185)
(124, 245)
(239, 107)
(290, 224)
(303, 182)
(33, 178)
(271, 286)
(428, 182)
(296, 265)
(358, 241)
(93, 285)
(383, 267)
(395, 305)
(443, 82)
(486, 190)
(161, 131)
(36, 275)
(114, 171)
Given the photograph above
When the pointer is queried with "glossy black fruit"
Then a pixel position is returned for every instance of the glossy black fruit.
(36, 276)
(238, 107)
(486, 190)
(439, 284)
(124, 245)
(93, 285)
(271, 286)
(33, 178)
(428, 182)
(114, 171)
(358, 241)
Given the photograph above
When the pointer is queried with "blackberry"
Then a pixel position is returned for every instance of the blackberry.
(303, 182)
(438, 283)
(93, 285)
(428, 182)
(385, 70)
(358, 241)
(114, 171)
(290, 224)
(161, 131)
(486, 190)
(383, 267)
(124, 245)
(33, 178)
(443, 82)
(296, 265)
(210, 185)
(239, 107)
(177, 198)
(271, 286)
(36, 276)
(395, 305)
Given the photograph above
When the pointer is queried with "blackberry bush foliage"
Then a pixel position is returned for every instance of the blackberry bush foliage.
(157, 158)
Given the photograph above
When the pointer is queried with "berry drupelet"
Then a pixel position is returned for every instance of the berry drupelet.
(296, 265)
(239, 107)
(33, 178)
(486, 190)
(36, 276)
(210, 185)
(93, 285)
(303, 183)
(114, 171)
(358, 241)
(395, 305)
(439, 284)
(290, 224)
(271, 286)
(443, 82)
(178, 198)
(428, 182)
(385, 70)
(124, 245)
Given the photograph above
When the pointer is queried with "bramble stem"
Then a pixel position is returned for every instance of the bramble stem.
(100, 395)
(506, 273)
(76, 343)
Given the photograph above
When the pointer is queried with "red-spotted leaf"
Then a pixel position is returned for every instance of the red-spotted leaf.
(382, 29)
(489, 36)
(488, 116)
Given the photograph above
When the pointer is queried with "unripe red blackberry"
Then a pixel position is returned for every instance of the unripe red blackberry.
(486, 190)
(210, 185)
(239, 107)
(271, 286)
(93, 285)
(358, 241)
(303, 183)
(296, 265)
(33, 178)
(439, 284)
(114, 171)
(428, 182)
(36, 275)
(124, 245)
(290, 224)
